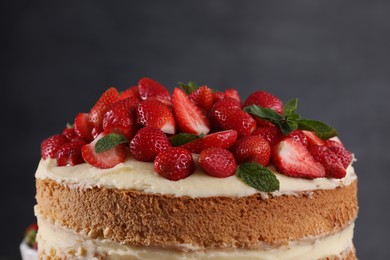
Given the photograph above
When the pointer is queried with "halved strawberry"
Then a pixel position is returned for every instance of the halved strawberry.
(190, 118)
(333, 166)
(265, 100)
(150, 89)
(232, 93)
(83, 127)
(252, 149)
(130, 92)
(148, 142)
(298, 136)
(202, 97)
(152, 112)
(121, 118)
(271, 134)
(313, 138)
(50, 145)
(293, 159)
(106, 159)
(223, 139)
(106, 100)
(69, 132)
(345, 156)
(217, 162)
(70, 153)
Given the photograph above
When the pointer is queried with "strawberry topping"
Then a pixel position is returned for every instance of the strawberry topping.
(154, 113)
(202, 98)
(106, 100)
(252, 149)
(217, 162)
(51, 145)
(174, 164)
(70, 153)
(83, 127)
(150, 89)
(223, 139)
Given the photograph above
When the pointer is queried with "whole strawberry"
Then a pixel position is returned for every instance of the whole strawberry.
(271, 134)
(334, 167)
(70, 153)
(82, 127)
(51, 145)
(130, 92)
(202, 97)
(252, 149)
(154, 113)
(217, 162)
(151, 89)
(174, 163)
(106, 100)
(147, 143)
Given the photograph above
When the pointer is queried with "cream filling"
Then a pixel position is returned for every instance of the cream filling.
(140, 176)
(55, 238)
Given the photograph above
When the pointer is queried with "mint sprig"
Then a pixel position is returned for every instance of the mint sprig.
(257, 176)
(183, 138)
(109, 141)
(189, 87)
(290, 120)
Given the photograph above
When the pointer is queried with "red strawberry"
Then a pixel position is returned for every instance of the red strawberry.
(106, 159)
(50, 146)
(150, 89)
(271, 134)
(130, 92)
(223, 139)
(121, 118)
(225, 102)
(96, 131)
(70, 153)
(174, 164)
(265, 100)
(333, 166)
(83, 127)
(344, 155)
(69, 132)
(335, 142)
(106, 100)
(190, 118)
(298, 136)
(202, 97)
(147, 143)
(217, 162)
(252, 149)
(218, 95)
(232, 93)
(293, 159)
(233, 118)
(152, 112)
(313, 138)
(30, 235)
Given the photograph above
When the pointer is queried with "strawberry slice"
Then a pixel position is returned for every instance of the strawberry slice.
(223, 139)
(70, 153)
(232, 93)
(106, 159)
(217, 162)
(121, 118)
(293, 159)
(202, 97)
(252, 149)
(50, 146)
(106, 100)
(150, 89)
(83, 127)
(334, 167)
(130, 92)
(152, 112)
(190, 118)
(313, 138)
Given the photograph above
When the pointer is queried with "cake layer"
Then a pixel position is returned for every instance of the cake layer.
(136, 175)
(145, 219)
(58, 242)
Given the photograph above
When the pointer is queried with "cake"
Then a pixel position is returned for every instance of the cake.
(198, 174)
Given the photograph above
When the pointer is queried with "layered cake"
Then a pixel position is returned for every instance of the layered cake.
(198, 174)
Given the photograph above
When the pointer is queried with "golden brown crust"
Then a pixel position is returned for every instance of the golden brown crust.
(215, 222)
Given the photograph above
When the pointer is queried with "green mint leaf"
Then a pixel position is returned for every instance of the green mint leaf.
(293, 117)
(290, 107)
(257, 176)
(265, 113)
(183, 138)
(287, 126)
(189, 87)
(322, 130)
(109, 141)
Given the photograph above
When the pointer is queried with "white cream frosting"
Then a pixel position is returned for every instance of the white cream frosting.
(140, 176)
(52, 237)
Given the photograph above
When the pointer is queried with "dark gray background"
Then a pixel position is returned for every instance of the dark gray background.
(59, 56)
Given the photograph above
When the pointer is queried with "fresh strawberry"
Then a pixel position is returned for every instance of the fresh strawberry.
(50, 146)
(150, 89)
(121, 118)
(96, 131)
(70, 153)
(223, 139)
(265, 100)
(83, 127)
(271, 134)
(69, 132)
(219, 95)
(293, 159)
(225, 102)
(252, 149)
(147, 143)
(333, 143)
(106, 159)
(344, 155)
(217, 162)
(107, 99)
(202, 97)
(152, 112)
(313, 138)
(30, 235)
(190, 118)
(298, 136)
(333, 165)
(130, 92)
(232, 93)
(233, 118)
(174, 164)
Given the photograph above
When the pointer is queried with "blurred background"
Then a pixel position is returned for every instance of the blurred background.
(57, 57)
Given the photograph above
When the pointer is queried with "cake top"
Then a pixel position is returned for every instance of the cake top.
(148, 124)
